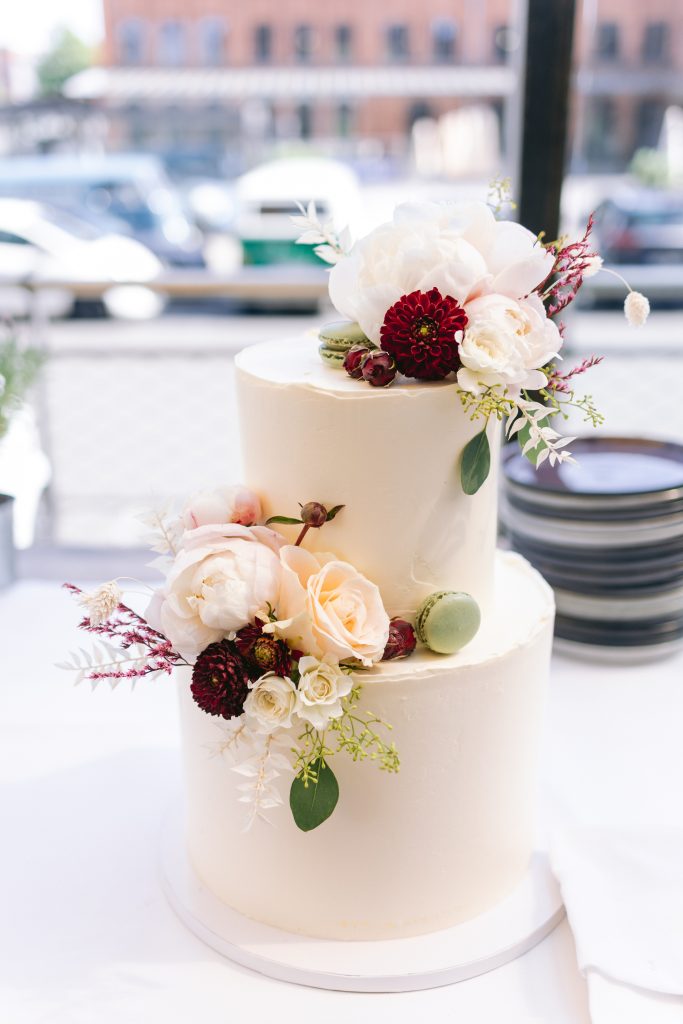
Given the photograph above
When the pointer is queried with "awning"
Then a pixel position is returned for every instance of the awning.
(188, 85)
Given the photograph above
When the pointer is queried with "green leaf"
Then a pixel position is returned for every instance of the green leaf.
(312, 802)
(332, 513)
(285, 520)
(475, 463)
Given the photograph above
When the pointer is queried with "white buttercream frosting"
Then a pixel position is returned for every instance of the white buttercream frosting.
(439, 842)
(390, 455)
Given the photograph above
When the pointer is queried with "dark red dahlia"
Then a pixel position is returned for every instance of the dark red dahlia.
(220, 682)
(421, 331)
(401, 640)
(262, 652)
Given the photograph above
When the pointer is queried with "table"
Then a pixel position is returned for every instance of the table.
(85, 777)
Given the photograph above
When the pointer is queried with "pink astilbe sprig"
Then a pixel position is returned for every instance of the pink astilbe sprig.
(128, 630)
(560, 381)
(573, 263)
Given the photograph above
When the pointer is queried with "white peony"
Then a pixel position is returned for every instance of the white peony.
(459, 248)
(271, 703)
(321, 688)
(326, 607)
(235, 504)
(219, 580)
(505, 343)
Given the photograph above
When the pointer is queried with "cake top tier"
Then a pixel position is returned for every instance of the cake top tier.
(390, 456)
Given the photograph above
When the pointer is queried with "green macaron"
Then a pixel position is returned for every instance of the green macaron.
(337, 338)
(447, 620)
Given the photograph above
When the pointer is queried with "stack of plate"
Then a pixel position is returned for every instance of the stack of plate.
(607, 533)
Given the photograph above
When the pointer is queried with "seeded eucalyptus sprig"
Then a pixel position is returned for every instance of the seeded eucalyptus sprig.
(313, 516)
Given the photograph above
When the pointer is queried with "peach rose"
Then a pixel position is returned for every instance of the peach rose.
(326, 607)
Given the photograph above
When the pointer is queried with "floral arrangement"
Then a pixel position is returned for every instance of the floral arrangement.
(277, 637)
(449, 289)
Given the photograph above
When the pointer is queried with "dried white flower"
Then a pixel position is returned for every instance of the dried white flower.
(592, 265)
(101, 603)
(636, 308)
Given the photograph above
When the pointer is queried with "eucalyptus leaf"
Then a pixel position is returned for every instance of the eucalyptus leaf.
(285, 520)
(475, 463)
(333, 512)
(312, 802)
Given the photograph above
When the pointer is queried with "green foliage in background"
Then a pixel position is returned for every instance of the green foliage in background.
(650, 167)
(68, 55)
(18, 368)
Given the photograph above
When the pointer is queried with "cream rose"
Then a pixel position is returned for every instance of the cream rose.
(506, 343)
(220, 579)
(271, 703)
(459, 248)
(326, 607)
(223, 505)
(321, 687)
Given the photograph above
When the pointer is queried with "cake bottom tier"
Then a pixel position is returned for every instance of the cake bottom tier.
(436, 844)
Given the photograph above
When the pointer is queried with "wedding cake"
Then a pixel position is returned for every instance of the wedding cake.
(361, 672)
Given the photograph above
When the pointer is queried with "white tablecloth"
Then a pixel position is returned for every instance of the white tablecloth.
(85, 932)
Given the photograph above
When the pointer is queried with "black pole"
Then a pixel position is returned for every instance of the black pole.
(550, 33)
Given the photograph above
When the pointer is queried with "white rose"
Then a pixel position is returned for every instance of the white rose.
(458, 248)
(271, 703)
(321, 688)
(223, 505)
(326, 607)
(220, 579)
(506, 343)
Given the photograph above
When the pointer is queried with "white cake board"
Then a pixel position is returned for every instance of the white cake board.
(393, 965)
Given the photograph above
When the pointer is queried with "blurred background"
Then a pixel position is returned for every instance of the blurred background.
(153, 151)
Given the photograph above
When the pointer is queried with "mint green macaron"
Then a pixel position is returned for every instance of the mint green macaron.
(447, 620)
(337, 338)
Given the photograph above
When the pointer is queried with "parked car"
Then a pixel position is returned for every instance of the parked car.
(40, 243)
(641, 226)
(131, 189)
(267, 197)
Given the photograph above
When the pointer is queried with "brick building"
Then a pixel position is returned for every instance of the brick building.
(223, 77)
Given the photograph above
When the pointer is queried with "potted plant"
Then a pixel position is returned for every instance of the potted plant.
(19, 365)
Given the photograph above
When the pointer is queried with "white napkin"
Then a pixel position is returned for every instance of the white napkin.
(623, 891)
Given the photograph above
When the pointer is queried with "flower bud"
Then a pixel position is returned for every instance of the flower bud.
(401, 640)
(314, 514)
(353, 359)
(378, 369)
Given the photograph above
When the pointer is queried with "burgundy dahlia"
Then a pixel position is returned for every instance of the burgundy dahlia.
(262, 652)
(378, 369)
(401, 640)
(220, 682)
(421, 331)
(353, 359)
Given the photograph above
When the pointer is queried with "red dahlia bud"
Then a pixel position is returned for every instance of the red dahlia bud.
(353, 359)
(378, 369)
(314, 514)
(261, 652)
(220, 683)
(401, 640)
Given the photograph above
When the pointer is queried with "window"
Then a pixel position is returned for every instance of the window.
(398, 46)
(263, 43)
(601, 129)
(343, 41)
(303, 43)
(212, 39)
(503, 42)
(607, 40)
(305, 117)
(649, 117)
(344, 120)
(172, 48)
(131, 37)
(656, 42)
(444, 39)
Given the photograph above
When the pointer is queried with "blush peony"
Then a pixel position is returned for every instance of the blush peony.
(221, 578)
(235, 504)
